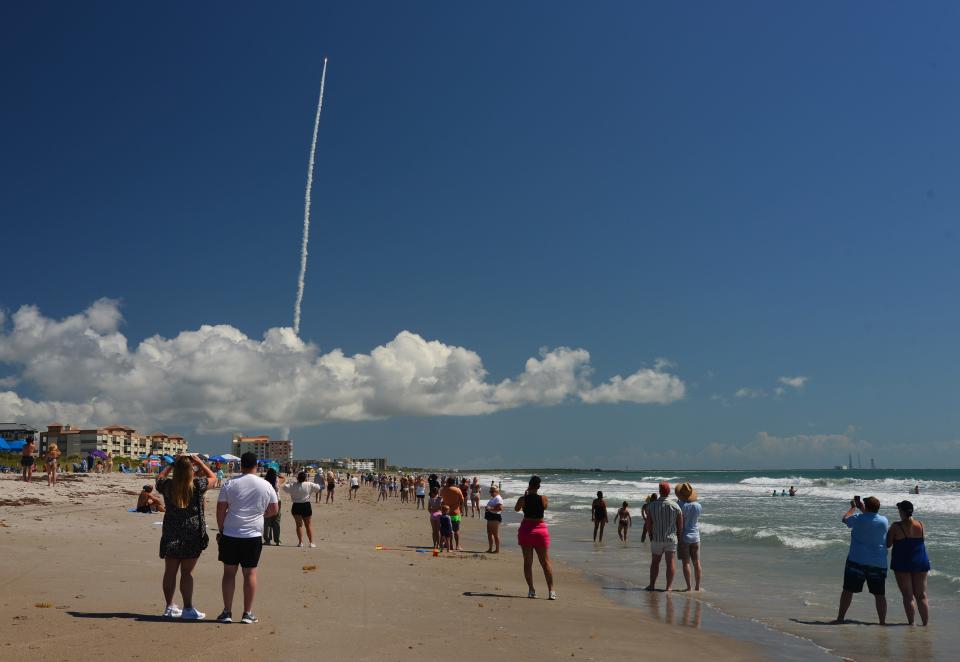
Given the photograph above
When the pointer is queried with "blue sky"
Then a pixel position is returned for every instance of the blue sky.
(752, 191)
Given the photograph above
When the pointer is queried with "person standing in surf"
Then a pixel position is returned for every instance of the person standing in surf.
(867, 558)
(688, 546)
(664, 523)
(598, 515)
(624, 521)
(909, 562)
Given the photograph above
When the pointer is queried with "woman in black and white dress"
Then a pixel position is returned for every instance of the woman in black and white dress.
(184, 535)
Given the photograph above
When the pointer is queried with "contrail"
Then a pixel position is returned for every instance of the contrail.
(306, 208)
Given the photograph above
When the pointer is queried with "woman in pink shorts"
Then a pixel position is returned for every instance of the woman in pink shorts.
(534, 536)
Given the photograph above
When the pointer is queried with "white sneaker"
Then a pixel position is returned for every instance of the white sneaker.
(299, 544)
(172, 611)
(312, 545)
(191, 614)
(531, 593)
(553, 595)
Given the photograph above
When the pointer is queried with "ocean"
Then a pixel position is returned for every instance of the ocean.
(773, 565)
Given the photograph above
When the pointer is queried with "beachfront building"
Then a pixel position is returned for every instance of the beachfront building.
(263, 447)
(120, 440)
(14, 431)
(376, 464)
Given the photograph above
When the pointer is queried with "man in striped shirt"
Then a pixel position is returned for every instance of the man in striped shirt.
(664, 521)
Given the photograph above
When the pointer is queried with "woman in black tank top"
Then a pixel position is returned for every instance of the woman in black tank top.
(534, 536)
(598, 515)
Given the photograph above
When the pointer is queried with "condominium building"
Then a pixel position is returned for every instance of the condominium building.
(263, 447)
(120, 440)
(13, 431)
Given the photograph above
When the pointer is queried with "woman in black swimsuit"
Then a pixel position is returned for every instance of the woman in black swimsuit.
(598, 515)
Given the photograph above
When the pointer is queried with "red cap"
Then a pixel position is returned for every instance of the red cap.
(664, 487)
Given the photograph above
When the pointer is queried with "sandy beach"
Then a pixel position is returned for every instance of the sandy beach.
(81, 580)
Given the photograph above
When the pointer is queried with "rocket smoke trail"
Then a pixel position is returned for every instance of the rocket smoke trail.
(306, 208)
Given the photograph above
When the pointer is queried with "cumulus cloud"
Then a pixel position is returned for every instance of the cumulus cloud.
(746, 392)
(81, 370)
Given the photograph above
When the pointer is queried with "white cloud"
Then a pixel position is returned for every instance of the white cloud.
(794, 382)
(749, 393)
(216, 378)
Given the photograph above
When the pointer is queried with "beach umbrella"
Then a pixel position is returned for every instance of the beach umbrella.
(168, 459)
(99, 453)
(230, 458)
(17, 444)
(218, 458)
(4, 446)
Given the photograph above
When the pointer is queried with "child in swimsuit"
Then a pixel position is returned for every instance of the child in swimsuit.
(434, 507)
(446, 529)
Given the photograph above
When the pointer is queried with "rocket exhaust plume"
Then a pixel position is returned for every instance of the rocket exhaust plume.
(306, 207)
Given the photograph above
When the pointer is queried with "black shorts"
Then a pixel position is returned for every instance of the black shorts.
(244, 552)
(302, 509)
(330, 486)
(26, 460)
(855, 574)
(492, 517)
(354, 487)
(144, 509)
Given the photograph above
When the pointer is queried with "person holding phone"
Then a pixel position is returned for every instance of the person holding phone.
(184, 534)
(867, 558)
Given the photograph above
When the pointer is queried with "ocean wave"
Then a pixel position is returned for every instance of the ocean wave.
(948, 577)
(798, 481)
(795, 542)
(659, 478)
(710, 529)
(786, 539)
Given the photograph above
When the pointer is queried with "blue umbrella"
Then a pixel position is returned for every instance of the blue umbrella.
(168, 459)
(3, 445)
(17, 444)
(217, 458)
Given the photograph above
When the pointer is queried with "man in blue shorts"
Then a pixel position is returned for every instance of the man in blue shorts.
(867, 559)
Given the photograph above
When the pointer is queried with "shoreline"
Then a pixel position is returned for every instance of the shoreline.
(96, 567)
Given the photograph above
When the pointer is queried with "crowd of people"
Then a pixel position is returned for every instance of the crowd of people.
(248, 517)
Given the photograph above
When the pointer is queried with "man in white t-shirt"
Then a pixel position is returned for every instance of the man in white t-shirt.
(241, 507)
